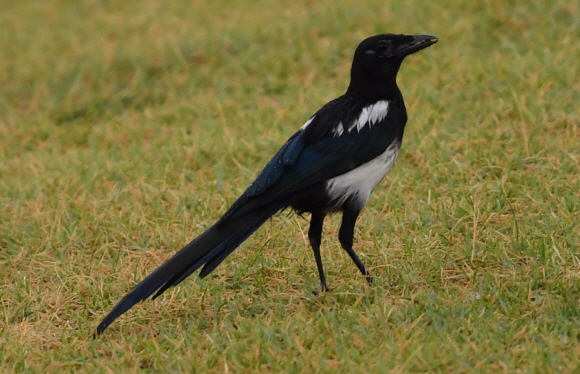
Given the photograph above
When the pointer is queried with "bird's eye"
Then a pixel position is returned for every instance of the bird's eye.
(383, 45)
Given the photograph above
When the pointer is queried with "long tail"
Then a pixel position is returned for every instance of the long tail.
(207, 250)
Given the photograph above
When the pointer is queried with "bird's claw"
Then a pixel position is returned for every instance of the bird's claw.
(324, 289)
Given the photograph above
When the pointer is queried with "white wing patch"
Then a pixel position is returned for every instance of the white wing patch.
(338, 130)
(370, 115)
(307, 123)
(361, 181)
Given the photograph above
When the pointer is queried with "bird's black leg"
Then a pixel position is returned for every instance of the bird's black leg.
(346, 234)
(315, 235)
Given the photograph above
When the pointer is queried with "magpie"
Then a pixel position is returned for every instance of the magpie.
(331, 164)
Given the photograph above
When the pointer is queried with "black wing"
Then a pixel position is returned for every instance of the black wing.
(317, 152)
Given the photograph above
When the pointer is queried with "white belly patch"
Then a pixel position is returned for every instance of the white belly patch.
(360, 182)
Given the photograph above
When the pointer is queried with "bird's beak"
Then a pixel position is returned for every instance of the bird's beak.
(417, 43)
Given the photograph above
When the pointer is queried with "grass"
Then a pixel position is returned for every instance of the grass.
(127, 128)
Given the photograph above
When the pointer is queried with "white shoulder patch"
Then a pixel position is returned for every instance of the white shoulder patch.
(370, 115)
(308, 123)
(338, 130)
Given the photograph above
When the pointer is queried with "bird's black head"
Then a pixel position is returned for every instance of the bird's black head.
(377, 60)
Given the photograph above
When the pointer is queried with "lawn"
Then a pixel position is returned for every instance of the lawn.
(126, 128)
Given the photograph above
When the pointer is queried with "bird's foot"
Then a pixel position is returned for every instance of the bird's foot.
(324, 289)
